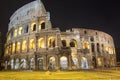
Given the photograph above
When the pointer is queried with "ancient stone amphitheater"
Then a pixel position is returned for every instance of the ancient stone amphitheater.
(32, 44)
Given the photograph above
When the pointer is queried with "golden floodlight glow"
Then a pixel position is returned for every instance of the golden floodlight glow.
(32, 26)
(20, 31)
(6, 50)
(15, 32)
(84, 59)
(8, 38)
(63, 58)
(86, 45)
(42, 21)
(51, 42)
(99, 62)
(41, 43)
(32, 44)
(18, 47)
(13, 47)
(24, 46)
(107, 48)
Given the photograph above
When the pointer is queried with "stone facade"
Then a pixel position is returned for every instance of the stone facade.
(32, 44)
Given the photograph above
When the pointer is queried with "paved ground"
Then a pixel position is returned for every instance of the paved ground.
(61, 75)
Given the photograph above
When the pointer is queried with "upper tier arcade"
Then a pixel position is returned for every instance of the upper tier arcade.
(27, 13)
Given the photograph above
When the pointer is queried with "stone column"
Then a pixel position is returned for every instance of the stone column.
(79, 61)
(45, 62)
(29, 28)
(20, 46)
(89, 58)
(11, 48)
(19, 63)
(6, 64)
(28, 40)
(56, 40)
(27, 62)
(36, 62)
(69, 62)
(37, 26)
(14, 63)
(36, 43)
(15, 48)
(57, 62)
(46, 41)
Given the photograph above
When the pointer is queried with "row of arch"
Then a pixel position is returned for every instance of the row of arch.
(18, 46)
(51, 65)
(86, 45)
(18, 31)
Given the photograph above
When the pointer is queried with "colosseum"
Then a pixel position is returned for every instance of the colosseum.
(32, 44)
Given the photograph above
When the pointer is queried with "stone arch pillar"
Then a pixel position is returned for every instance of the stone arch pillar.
(45, 62)
(58, 62)
(70, 62)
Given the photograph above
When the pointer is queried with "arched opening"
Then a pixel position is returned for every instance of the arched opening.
(92, 47)
(75, 61)
(84, 63)
(51, 65)
(102, 48)
(33, 27)
(105, 62)
(41, 43)
(51, 42)
(42, 25)
(63, 63)
(40, 63)
(20, 30)
(98, 48)
(86, 45)
(13, 47)
(11, 35)
(32, 44)
(18, 47)
(9, 50)
(24, 46)
(12, 64)
(17, 64)
(64, 43)
(91, 39)
(32, 63)
(94, 62)
(15, 33)
(73, 43)
(99, 60)
(85, 32)
(26, 29)
(23, 64)
(6, 50)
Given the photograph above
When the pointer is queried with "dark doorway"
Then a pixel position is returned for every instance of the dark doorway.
(64, 43)
(94, 62)
(43, 25)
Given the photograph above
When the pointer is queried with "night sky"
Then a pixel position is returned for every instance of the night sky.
(103, 15)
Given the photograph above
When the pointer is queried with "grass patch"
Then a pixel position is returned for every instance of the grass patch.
(61, 75)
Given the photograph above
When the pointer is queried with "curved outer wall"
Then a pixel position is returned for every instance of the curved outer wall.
(32, 44)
